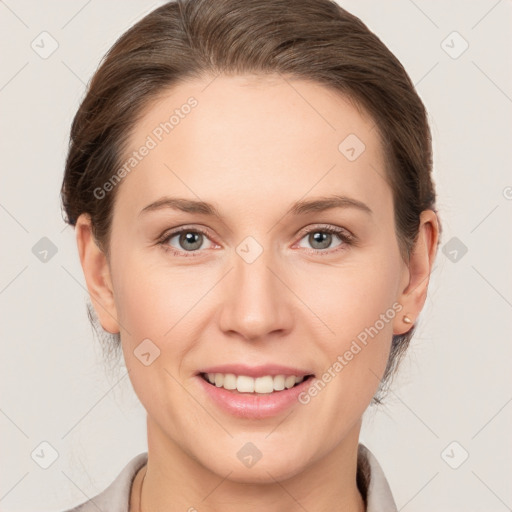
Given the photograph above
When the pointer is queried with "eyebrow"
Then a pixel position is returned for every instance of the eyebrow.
(302, 207)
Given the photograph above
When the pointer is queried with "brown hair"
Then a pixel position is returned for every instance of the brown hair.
(309, 39)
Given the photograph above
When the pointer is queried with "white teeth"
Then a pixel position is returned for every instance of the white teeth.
(245, 384)
(279, 382)
(264, 384)
(230, 381)
(289, 382)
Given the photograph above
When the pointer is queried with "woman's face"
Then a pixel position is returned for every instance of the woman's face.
(260, 282)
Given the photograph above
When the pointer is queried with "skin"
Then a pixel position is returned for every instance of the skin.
(252, 147)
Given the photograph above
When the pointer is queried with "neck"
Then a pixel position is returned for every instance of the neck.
(174, 481)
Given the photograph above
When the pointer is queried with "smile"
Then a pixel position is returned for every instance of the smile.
(260, 385)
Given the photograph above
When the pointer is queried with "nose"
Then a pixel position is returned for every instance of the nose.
(257, 301)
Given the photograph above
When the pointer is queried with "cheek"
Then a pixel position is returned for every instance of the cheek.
(155, 308)
(357, 306)
(161, 310)
(350, 297)
(153, 299)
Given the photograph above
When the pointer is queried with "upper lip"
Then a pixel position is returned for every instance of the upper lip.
(256, 371)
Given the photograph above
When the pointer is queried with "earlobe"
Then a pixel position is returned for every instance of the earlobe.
(419, 269)
(97, 275)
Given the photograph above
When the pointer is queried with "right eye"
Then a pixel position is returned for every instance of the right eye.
(189, 240)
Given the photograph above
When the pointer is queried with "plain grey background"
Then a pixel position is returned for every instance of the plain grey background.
(443, 435)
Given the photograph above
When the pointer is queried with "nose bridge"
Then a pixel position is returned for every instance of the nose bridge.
(257, 301)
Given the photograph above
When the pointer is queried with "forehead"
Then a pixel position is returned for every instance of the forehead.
(253, 135)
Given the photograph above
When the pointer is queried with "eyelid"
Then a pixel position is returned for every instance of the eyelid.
(326, 227)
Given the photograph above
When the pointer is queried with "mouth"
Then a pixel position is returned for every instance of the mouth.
(245, 384)
(254, 392)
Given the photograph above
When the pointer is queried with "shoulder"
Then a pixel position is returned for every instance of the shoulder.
(373, 483)
(116, 497)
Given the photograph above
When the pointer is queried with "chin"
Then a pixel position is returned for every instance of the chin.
(260, 473)
(252, 466)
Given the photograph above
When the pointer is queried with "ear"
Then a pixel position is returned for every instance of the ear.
(417, 272)
(97, 274)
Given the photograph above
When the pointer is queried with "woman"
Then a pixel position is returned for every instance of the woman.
(287, 146)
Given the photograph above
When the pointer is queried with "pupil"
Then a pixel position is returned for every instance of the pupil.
(191, 238)
(324, 239)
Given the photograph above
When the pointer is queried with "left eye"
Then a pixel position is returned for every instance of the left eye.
(322, 238)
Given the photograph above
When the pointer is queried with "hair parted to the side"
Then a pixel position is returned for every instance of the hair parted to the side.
(310, 39)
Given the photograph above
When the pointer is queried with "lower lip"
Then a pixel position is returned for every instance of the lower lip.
(253, 405)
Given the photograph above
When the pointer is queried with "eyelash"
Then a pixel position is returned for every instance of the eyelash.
(346, 237)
